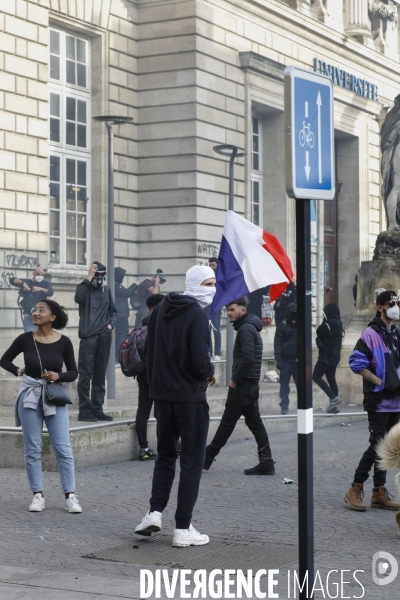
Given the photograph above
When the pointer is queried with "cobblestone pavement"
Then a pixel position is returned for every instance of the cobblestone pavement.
(41, 553)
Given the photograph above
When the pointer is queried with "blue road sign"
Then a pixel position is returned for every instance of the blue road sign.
(309, 135)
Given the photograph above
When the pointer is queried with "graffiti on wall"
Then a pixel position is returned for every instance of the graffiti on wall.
(21, 261)
(16, 261)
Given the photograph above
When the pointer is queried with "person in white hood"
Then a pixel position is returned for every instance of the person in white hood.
(179, 370)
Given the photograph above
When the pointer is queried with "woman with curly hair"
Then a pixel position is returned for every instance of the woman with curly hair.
(32, 407)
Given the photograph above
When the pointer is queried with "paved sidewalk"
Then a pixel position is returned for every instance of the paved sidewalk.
(41, 554)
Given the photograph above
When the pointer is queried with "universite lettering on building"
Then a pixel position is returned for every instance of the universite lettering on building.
(192, 74)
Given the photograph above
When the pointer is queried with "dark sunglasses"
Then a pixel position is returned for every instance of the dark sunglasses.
(100, 274)
(393, 303)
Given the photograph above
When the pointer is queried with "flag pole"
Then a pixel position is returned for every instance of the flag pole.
(232, 152)
(304, 396)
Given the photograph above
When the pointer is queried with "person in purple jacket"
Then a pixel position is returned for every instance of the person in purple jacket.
(376, 357)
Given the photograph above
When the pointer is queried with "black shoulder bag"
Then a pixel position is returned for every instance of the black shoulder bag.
(56, 393)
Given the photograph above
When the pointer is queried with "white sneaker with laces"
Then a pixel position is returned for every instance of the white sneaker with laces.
(217, 358)
(151, 523)
(37, 504)
(189, 537)
(72, 504)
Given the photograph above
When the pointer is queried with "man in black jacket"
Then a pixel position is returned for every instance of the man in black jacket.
(121, 304)
(244, 389)
(285, 349)
(97, 318)
(179, 370)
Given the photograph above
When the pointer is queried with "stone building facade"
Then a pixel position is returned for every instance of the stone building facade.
(192, 74)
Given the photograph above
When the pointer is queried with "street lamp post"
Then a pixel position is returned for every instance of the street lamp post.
(110, 121)
(231, 151)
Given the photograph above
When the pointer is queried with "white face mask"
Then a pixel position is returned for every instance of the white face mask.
(203, 294)
(393, 313)
(39, 278)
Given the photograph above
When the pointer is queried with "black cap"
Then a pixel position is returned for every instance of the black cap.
(100, 266)
(159, 274)
(385, 297)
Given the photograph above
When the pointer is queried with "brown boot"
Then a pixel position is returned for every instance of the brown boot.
(354, 497)
(397, 517)
(382, 499)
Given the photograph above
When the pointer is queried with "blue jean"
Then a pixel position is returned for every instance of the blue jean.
(288, 370)
(58, 428)
(27, 323)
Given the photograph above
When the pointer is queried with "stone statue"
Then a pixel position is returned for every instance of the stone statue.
(390, 166)
(388, 242)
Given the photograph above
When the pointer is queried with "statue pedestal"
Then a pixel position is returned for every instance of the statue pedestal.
(372, 275)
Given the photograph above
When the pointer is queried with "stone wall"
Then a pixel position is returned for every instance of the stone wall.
(175, 66)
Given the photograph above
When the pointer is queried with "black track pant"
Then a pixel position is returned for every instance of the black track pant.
(322, 369)
(94, 353)
(189, 421)
(145, 404)
(242, 400)
(379, 424)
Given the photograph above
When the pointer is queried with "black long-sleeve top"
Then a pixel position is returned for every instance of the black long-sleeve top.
(53, 356)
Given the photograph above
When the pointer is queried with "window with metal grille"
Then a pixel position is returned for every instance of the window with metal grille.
(256, 174)
(69, 121)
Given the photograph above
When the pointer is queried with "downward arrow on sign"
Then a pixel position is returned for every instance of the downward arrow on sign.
(307, 168)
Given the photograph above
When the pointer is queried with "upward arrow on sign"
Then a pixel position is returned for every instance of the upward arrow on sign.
(319, 104)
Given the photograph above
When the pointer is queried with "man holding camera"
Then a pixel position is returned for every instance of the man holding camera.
(31, 292)
(97, 318)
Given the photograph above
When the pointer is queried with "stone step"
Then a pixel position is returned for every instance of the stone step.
(93, 446)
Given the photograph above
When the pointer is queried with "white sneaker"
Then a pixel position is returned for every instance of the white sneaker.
(72, 504)
(217, 358)
(189, 537)
(37, 504)
(151, 523)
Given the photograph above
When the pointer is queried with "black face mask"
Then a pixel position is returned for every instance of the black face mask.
(293, 316)
(98, 282)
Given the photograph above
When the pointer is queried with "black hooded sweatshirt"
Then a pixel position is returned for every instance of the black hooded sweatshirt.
(248, 348)
(285, 341)
(178, 350)
(122, 293)
(330, 332)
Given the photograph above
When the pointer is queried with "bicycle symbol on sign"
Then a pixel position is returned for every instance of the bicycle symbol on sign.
(306, 136)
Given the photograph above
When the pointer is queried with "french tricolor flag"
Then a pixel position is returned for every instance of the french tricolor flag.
(249, 259)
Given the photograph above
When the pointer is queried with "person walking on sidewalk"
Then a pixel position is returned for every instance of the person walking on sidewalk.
(244, 389)
(329, 342)
(145, 402)
(285, 349)
(376, 357)
(97, 318)
(32, 408)
(179, 369)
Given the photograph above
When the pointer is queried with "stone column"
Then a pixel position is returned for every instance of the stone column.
(356, 21)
